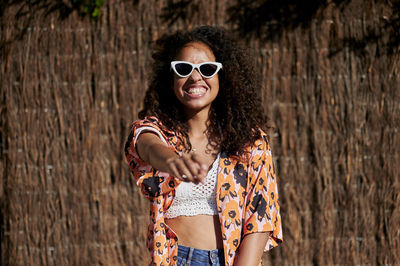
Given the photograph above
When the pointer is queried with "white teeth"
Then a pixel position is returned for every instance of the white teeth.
(196, 91)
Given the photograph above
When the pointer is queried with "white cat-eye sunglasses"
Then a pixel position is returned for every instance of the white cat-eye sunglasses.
(184, 69)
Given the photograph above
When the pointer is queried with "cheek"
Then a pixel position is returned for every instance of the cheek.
(214, 83)
(177, 83)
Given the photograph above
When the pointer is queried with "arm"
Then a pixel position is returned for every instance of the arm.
(262, 225)
(156, 153)
(152, 181)
(251, 249)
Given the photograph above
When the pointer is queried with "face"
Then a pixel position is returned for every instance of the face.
(195, 92)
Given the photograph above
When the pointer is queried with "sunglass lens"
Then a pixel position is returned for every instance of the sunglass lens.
(183, 69)
(208, 69)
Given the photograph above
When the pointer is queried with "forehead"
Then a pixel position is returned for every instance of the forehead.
(195, 52)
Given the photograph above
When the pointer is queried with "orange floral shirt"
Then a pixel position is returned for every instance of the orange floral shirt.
(247, 195)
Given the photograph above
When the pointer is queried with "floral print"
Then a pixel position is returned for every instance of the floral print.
(247, 195)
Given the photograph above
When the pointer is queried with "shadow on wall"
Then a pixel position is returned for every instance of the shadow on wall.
(63, 7)
(29, 10)
(267, 20)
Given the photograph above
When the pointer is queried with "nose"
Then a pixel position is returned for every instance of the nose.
(195, 76)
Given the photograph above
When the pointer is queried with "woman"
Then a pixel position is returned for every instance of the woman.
(200, 155)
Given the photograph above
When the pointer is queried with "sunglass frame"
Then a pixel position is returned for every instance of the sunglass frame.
(195, 66)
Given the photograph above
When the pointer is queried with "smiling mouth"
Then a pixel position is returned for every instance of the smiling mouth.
(196, 91)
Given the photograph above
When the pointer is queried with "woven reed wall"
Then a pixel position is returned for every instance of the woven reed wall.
(71, 87)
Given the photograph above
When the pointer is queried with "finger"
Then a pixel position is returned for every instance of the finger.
(184, 172)
(195, 157)
(174, 171)
(201, 168)
(192, 166)
(201, 179)
(177, 167)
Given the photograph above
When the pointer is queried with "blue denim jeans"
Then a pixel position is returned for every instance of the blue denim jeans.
(198, 257)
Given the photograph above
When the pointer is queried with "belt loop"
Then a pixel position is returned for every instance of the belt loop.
(189, 259)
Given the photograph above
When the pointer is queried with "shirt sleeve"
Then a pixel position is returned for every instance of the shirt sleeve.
(148, 129)
(262, 211)
(151, 181)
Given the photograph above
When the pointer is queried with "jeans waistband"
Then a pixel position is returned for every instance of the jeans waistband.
(206, 257)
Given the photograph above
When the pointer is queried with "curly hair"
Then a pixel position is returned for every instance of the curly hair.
(236, 112)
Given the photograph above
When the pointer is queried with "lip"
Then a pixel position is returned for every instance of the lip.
(185, 90)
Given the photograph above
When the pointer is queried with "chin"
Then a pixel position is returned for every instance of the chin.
(194, 108)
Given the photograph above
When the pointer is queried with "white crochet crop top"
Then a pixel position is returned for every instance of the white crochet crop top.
(195, 199)
(192, 199)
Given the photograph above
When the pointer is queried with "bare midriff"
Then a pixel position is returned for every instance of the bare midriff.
(200, 231)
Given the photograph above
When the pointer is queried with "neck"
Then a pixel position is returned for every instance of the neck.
(197, 123)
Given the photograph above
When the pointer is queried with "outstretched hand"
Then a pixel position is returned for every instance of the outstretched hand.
(187, 168)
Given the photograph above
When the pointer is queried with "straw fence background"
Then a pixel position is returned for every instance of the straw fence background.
(70, 87)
